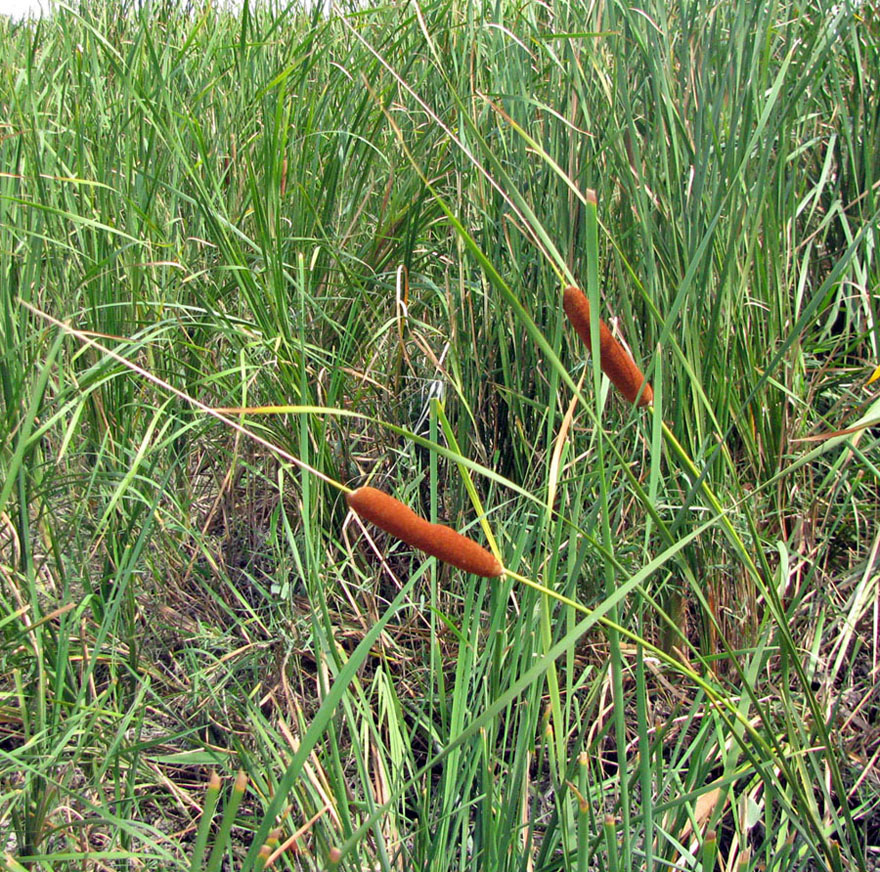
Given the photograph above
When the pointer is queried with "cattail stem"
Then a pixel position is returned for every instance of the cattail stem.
(439, 541)
(614, 359)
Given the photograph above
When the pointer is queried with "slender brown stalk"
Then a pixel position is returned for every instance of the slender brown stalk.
(615, 361)
(441, 542)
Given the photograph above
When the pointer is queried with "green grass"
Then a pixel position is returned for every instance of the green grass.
(351, 233)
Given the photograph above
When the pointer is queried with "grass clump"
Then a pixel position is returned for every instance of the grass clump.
(248, 260)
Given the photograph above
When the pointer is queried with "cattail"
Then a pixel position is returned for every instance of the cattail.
(615, 361)
(441, 542)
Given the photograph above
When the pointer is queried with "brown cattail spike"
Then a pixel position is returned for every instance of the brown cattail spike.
(615, 361)
(441, 542)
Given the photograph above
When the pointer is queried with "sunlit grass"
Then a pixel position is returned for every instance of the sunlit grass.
(249, 262)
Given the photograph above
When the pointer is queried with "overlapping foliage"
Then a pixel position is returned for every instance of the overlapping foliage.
(350, 230)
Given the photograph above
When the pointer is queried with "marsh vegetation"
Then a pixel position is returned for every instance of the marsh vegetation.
(251, 261)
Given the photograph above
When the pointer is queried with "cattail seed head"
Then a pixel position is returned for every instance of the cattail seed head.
(615, 361)
(439, 541)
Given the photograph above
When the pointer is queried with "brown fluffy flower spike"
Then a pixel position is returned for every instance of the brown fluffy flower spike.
(615, 361)
(439, 541)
